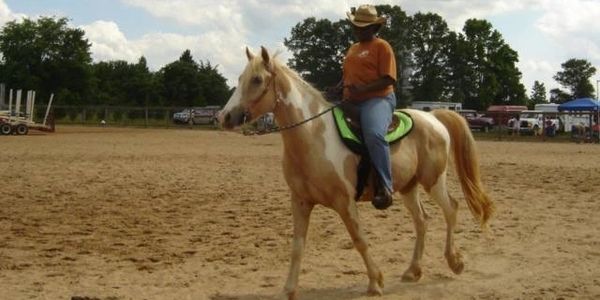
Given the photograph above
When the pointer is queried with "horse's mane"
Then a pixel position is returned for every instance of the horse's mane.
(294, 76)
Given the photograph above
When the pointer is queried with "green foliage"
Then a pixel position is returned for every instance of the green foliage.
(429, 36)
(559, 96)
(476, 68)
(575, 76)
(538, 94)
(47, 56)
(318, 48)
(187, 83)
(491, 67)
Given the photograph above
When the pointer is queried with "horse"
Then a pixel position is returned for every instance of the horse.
(320, 170)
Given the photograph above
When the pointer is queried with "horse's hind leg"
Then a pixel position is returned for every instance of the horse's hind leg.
(349, 216)
(439, 193)
(412, 203)
(301, 213)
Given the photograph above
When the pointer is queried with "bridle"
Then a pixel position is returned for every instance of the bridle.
(278, 99)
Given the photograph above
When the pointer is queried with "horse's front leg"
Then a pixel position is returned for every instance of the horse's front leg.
(348, 213)
(301, 213)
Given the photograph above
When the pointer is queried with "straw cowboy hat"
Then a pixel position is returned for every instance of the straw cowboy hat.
(364, 16)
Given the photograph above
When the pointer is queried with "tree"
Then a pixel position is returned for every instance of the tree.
(429, 36)
(187, 83)
(576, 77)
(538, 94)
(559, 96)
(214, 85)
(180, 81)
(123, 84)
(491, 67)
(318, 48)
(47, 56)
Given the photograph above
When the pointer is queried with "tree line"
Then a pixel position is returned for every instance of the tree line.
(475, 67)
(48, 56)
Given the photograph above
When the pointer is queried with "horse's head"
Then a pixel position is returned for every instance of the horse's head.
(255, 94)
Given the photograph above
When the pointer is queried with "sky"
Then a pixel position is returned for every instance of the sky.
(545, 33)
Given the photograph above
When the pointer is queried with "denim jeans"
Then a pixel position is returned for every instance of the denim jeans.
(375, 117)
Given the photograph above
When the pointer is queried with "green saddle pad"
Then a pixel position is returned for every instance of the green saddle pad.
(353, 139)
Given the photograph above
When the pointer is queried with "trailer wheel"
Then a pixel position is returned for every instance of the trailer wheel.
(21, 129)
(5, 129)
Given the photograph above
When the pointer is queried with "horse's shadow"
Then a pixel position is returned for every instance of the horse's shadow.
(324, 293)
(430, 289)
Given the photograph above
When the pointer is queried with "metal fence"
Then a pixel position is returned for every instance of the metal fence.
(570, 126)
(117, 116)
(581, 126)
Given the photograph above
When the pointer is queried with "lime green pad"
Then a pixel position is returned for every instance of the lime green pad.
(349, 136)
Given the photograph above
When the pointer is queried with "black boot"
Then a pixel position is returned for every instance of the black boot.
(383, 198)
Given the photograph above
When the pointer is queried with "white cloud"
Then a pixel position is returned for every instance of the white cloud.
(540, 70)
(218, 30)
(109, 43)
(573, 26)
(6, 15)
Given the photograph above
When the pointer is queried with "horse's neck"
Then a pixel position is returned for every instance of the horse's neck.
(298, 105)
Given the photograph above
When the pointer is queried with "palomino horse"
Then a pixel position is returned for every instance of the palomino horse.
(319, 169)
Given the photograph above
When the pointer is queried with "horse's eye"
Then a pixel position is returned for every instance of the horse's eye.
(256, 80)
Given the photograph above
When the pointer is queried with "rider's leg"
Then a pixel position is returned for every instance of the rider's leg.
(375, 116)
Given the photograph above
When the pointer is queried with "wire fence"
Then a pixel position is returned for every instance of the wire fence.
(578, 126)
(159, 117)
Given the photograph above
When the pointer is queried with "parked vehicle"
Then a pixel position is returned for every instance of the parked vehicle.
(431, 105)
(532, 121)
(503, 113)
(199, 115)
(477, 120)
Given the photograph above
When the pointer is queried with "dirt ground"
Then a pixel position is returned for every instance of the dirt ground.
(103, 213)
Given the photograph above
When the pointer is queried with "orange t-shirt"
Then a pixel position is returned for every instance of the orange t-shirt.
(366, 62)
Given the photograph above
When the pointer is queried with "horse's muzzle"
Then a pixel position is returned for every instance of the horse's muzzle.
(233, 118)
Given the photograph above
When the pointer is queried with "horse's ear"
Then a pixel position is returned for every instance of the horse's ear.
(249, 54)
(265, 57)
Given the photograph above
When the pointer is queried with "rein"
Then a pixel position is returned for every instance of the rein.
(282, 128)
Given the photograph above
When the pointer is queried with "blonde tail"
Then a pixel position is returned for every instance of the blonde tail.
(467, 164)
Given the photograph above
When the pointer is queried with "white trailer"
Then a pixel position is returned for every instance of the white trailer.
(431, 105)
(14, 121)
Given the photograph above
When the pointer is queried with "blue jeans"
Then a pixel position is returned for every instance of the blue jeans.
(375, 117)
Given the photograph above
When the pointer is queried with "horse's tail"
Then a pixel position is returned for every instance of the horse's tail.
(467, 164)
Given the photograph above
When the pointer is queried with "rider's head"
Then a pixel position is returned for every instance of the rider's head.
(365, 22)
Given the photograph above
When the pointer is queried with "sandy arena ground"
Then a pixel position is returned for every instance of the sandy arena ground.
(103, 213)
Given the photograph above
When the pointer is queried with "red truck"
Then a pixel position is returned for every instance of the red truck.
(477, 121)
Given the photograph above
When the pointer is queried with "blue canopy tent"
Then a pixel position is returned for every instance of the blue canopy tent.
(585, 105)
(581, 104)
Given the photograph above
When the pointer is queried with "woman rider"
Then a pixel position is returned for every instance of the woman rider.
(369, 73)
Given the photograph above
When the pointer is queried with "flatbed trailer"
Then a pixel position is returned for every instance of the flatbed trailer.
(13, 122)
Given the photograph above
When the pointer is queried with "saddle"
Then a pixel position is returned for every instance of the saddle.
(347, 120)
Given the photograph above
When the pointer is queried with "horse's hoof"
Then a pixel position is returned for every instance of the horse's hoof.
(457, 267)
(375, 287)
(375, 291)
(291, 296)
(413, 274)
(288, 295)
(455, 263)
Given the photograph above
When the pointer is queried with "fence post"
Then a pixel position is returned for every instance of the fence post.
(146, 116)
